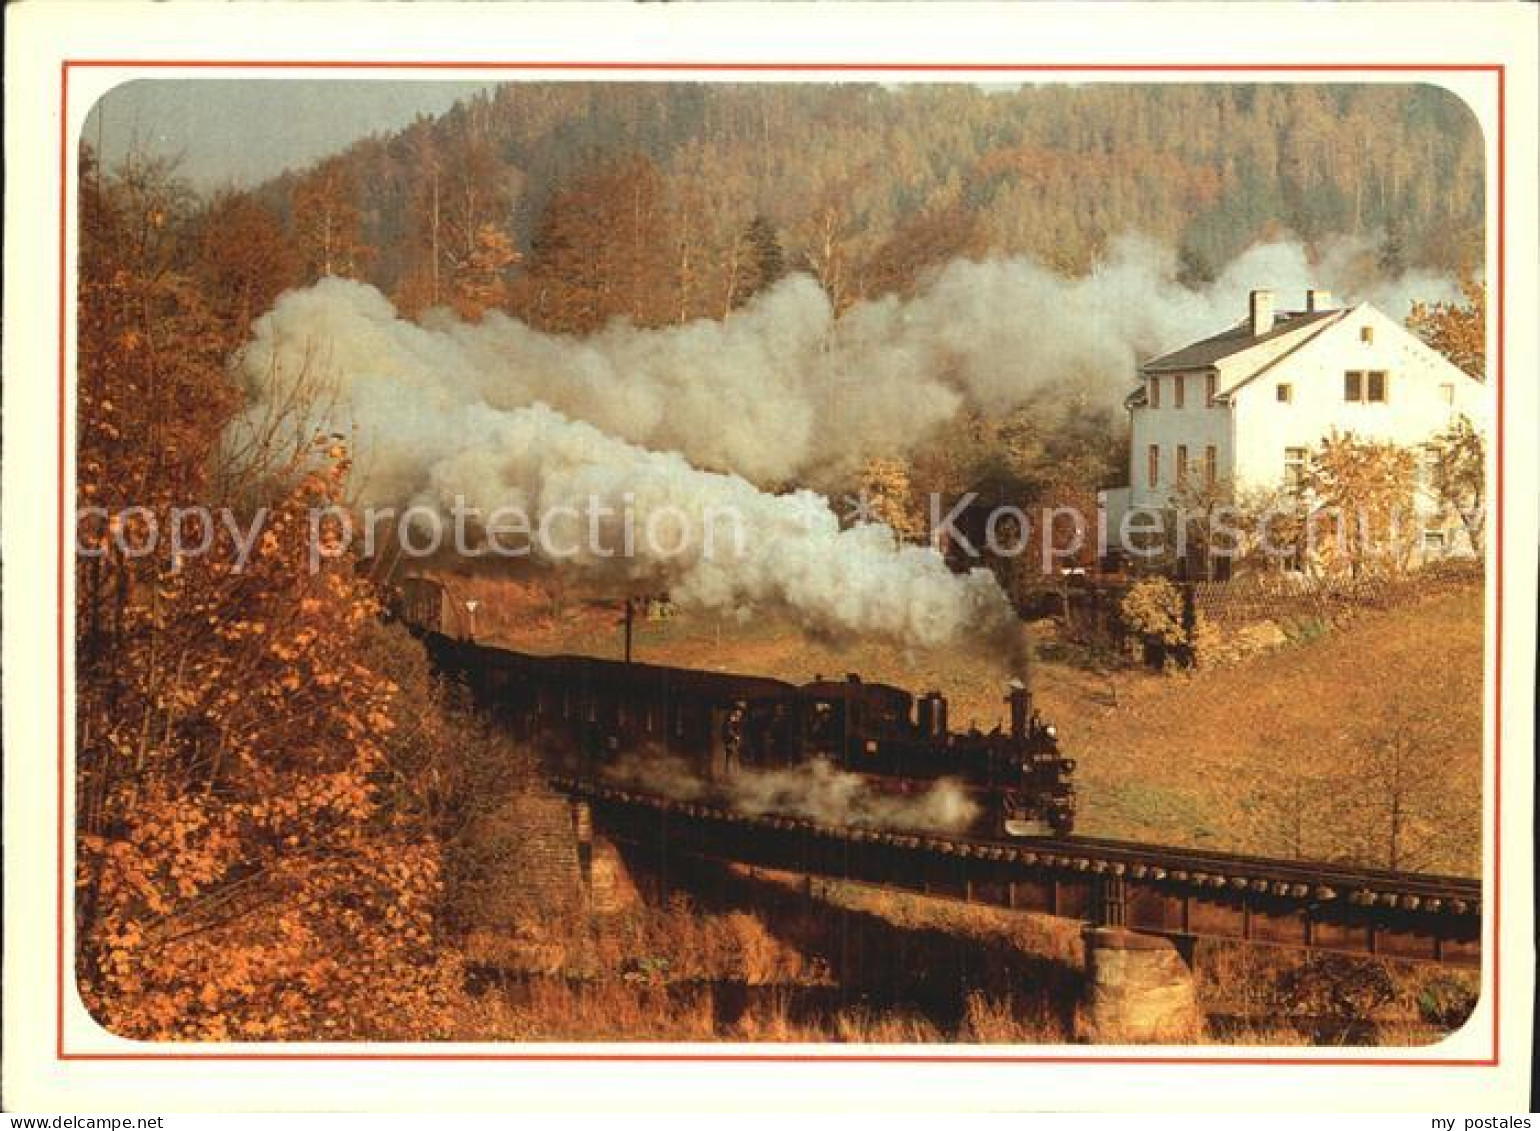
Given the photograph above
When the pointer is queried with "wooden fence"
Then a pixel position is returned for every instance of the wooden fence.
(1090, 610)
(1283, 598)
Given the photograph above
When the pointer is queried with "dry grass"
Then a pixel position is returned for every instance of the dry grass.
(1262, 995)
(1190, 759)
(856, 965)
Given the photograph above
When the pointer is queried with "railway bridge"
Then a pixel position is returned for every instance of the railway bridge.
(1143, 905)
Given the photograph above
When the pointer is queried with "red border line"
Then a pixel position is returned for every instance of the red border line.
(1499, 376)
(64, 148)
(777, 1058)
(802, 67)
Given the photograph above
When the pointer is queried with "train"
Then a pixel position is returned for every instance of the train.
(596, 712)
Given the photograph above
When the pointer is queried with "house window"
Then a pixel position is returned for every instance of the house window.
(1210, 465)
(1365, 387)
(1366, 335)
(1285, 394)
(1154, 468)
(1154, 392)
(1433, 543)
(1181, 465)
(1211, 389)
(1294, 468)
(1180, 398)
(1447, 393)
(1427, 468)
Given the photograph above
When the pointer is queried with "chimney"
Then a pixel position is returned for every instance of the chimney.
(1317, 301)
(1020, 700)
(1261, 313)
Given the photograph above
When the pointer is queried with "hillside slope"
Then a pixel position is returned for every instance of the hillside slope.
(1300, 751)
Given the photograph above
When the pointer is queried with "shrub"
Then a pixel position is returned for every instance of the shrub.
(1447, 1001)
(1153, 609)
(1337, 987)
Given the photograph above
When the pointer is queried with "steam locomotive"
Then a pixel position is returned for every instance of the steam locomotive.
(722, 724)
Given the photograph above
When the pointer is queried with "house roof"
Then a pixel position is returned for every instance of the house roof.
(1303, 327)
(1237, 339)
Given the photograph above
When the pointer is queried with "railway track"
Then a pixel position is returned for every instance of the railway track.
(1300, 879)
(1461, 893)
(1158, 888)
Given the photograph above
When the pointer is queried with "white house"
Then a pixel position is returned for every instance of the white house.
(1245, 406)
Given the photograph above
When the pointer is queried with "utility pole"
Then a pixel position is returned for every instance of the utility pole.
(629, 622)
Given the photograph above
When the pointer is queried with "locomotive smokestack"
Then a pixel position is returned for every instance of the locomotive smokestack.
(1020, 700)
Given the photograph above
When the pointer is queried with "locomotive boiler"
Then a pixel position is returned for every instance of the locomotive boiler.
(598, 711)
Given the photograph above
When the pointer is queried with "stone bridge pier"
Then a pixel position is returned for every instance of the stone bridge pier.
(1139, 989)
(602, 874)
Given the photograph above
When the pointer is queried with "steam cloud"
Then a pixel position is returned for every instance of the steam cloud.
(711, 417)
(722, 544)
(783, 392)
(817, 790)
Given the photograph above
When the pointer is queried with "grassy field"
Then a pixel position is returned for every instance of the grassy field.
(1268, 755)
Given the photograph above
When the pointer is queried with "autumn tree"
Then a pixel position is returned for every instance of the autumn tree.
(1400, 798)
(1207, 531)
(1267, 527)
(473, 198)
(459, 246)
(826, 253)
(1459, 477)
(244, 258)
(604, 248)
(1458, 330)
(751, 262)
(766, 264)
(922, 242)
(242, 871)
(481, 278)
(326, 223)
(1361, 495)
(889, 497)
(1293, 811)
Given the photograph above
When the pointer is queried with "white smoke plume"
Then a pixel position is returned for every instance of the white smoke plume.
(783, 391)
(711, 540)
(708, 418)
(817, 791)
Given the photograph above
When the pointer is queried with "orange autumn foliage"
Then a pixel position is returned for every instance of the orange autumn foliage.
(242, 869)
(1458, 330)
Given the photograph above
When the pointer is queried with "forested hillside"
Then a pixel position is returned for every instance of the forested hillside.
(570, 203)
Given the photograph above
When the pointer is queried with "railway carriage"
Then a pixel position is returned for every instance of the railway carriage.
(595, 711)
